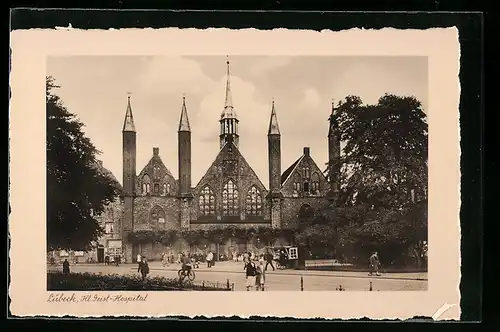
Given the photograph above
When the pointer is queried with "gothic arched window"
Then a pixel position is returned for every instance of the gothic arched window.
(164, 189)
(146, 184)
(315, 183)
(297, 186)
(156, 172)
(254, 202)
(157, 215)
(306, 213)
(156, 188)
(206, 202)
(230, 199)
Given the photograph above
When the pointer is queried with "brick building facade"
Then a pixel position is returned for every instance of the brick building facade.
(230, 193)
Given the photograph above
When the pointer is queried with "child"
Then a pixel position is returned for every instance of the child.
(261, 276)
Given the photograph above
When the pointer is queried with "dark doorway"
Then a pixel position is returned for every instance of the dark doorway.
(100, 255)
(306, 213)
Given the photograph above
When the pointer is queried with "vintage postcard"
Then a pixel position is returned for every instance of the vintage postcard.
(278, 173)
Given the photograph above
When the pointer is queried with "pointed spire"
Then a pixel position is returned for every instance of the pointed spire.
(184, 121)
(229, 97)
(274, 128)
(128, 124)
(228, 112)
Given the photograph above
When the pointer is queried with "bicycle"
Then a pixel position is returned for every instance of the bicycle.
(190, 275)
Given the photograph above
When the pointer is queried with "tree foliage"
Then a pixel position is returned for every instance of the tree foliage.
(382, 203)
(77, 187)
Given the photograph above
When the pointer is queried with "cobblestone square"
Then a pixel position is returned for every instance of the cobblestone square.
(279, 280)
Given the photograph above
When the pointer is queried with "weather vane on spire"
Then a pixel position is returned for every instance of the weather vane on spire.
(129, 94)
(227, 59)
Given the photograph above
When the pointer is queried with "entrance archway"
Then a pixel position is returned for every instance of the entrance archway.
(306, 213)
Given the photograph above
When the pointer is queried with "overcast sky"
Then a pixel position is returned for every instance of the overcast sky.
(95, 89)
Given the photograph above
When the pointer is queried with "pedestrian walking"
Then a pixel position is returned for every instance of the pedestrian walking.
(261, 276)
(139, 257)
(269, 260)
(374, 264)
(65, 266)
(144, 268)
(164, 260)
(209, 258)
(251, 272)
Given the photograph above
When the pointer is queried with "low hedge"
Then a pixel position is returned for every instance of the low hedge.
(57, 281)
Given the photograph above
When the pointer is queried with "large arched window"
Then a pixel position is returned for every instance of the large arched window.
(307, 172)
(230, 199)
(206, 202)
(156, 189)
(297, 184)
(306, 213)
(315, 184)
(157, 215)
(146, 184)
(254, 202)
(165, 186)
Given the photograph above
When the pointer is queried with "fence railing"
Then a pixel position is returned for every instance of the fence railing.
(210, 285)
(337, 288)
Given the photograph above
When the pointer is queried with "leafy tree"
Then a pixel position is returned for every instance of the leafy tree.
(382, 202)
(385, 152)
(321, 240)
(77, 188)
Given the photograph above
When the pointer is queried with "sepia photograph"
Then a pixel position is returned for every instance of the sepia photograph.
(287, 173)
(237, 173)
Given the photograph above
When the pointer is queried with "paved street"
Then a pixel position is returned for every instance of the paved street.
(285, 280)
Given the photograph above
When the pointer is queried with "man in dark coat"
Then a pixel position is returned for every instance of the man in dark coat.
(144, 269)
(65, 266)
(269, 260)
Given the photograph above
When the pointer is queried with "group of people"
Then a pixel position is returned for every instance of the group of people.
(113, 260)
(269, 257)
(255, 274)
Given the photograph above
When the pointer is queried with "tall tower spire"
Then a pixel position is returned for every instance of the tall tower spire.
(128, 124)
(129, 173)
(184, 121)
(274, 155)
(184, 158)
(228, 119)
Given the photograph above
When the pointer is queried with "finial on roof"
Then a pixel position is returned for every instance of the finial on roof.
(184, 120)
(128, 124)
(228, 111)
(274, 128)
(229, 97)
